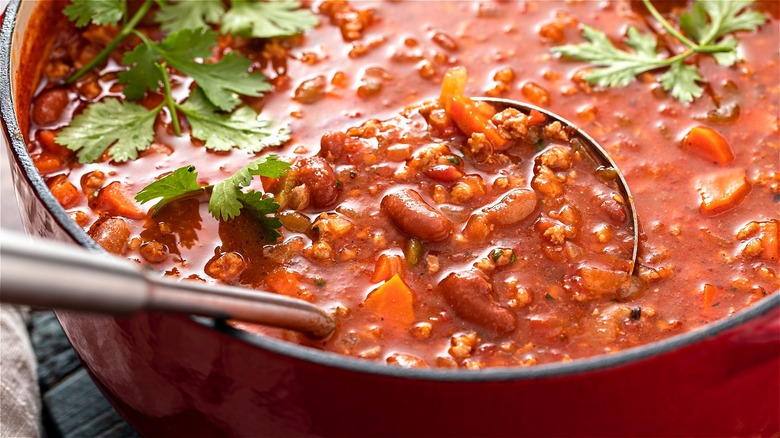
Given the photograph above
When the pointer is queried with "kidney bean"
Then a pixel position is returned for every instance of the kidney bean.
(470, 296)
(311, 90)
(111, 234)
(414, 217)
(317, 174)
(49, 106)
(515, 206)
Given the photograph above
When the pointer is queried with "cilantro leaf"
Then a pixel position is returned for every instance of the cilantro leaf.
(82, 12)
(260, 207)
(182, 182)
(226, 196)
(243, 128)
(188, 14)
(618, 67)
(727, 59)
(142, 74)
(127, 126)
(681, 81)
(727, 17)
(188, 44)
(709, 23)
(221, 80)
(261, 19)
(694, 23)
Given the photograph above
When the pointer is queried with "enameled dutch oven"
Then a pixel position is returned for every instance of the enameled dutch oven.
(175, 375)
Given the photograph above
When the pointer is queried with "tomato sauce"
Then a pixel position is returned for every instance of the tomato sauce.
(709, 226)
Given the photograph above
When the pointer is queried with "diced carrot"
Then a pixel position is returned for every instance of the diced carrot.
(114, 201)
(284, 282)
(770, 246)
(66, 193)
(485, 109)
(47, 163)
(269, 184)
(708, 144)
(386, 267)
(722, 191)
(708, 296)
(47, 141)
(453, 85)
(467, 115)
(536, 118)
(392, 301)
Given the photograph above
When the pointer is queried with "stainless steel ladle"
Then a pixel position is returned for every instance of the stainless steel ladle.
(51, 274)
(597, 154)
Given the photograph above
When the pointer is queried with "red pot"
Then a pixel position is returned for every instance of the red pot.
(176, 375)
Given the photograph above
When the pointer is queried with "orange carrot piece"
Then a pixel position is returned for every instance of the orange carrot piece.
(536, 118)
(708, 296)
(722, 191)
(386, 267)
(392, 301)
(467, 115)
(284, 282)
(47, 163)
(708, 144)
(66, 193)
(453, 85)
(114, 201)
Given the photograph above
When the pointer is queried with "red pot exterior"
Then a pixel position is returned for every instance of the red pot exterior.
(171, 375)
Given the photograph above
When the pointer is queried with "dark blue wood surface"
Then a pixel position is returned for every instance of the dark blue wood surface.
(72, 404)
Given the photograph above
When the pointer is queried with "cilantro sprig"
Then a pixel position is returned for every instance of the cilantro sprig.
(213, 109)
(709, 24)
(227, 197)
(247, 18)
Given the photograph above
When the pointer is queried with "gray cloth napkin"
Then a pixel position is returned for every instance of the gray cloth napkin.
(20, 400)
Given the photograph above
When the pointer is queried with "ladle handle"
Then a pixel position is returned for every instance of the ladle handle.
(49, 274)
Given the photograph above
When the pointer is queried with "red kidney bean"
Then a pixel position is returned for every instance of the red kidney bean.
(49, 105)
(515, 206)
(414, 217)
(311, 90)
(318, 175)
(469, 295)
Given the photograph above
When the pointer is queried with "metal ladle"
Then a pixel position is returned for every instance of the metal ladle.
(51, 274)
(597, 154)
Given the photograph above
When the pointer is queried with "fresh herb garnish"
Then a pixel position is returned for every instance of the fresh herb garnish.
(453, 159)
(266, 19)
(496, 254)
(220, 132)
(228, 199)
(130, 128)
(247, 18)
(549, 297)
(82, 12)
(188, 14)
(709, 24)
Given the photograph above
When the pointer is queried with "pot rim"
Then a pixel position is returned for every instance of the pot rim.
(576, 367)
